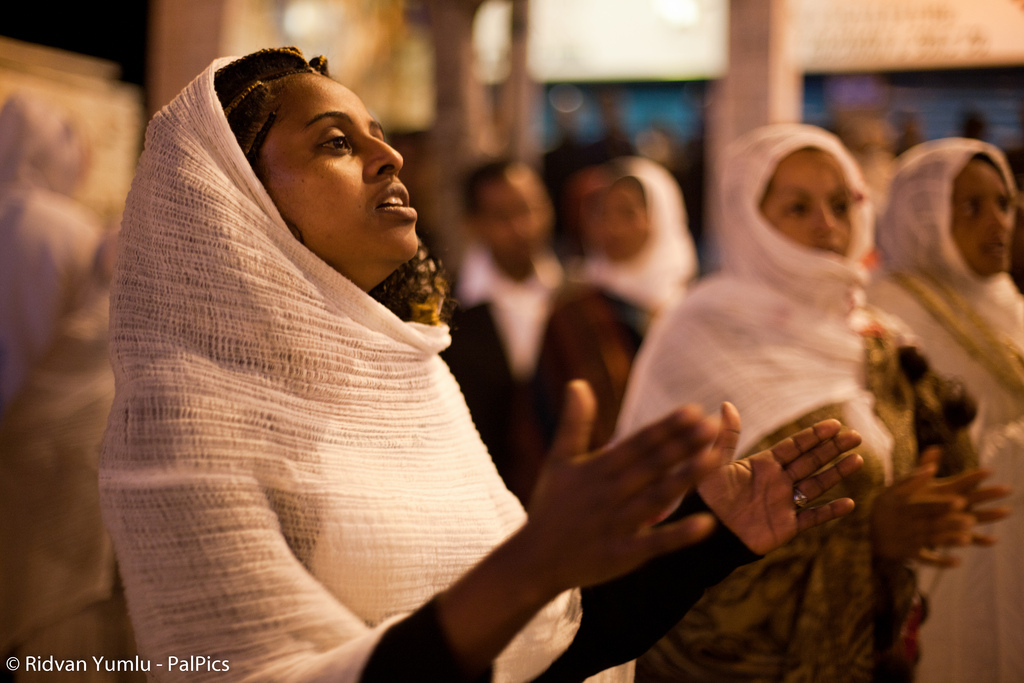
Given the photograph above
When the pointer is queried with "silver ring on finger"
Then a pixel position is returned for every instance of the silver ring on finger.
(800, 499)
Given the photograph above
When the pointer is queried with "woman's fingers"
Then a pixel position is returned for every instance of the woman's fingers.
(933, 507)
(576, 423)
(936, 558)
(670, 445)
(824, 513)
(962, 483)
(949, 539)
(989, 493)
(816, 434)
(591, 510)
(728, 434)
(788, 450)
(916, 481)
(988, 515)
(983, 540)
(932, 529)
(663, 494)
(932, 455)
(659, 540)
(811, 449)
(619, 489)
(814, 486)
(965, 486)
(958, 528)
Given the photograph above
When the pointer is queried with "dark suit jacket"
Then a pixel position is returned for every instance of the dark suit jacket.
(500, 405)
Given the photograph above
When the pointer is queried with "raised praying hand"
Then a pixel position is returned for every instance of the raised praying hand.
(591, 515)
(594, 510)
(762, 498)
(919, 516)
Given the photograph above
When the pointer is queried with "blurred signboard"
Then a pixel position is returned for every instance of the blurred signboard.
(604, 40)
(888, 35)
(586, 40)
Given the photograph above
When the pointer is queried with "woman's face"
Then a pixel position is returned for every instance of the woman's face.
(983, 214)
(808, 201)
(623, 227)
(335, 181)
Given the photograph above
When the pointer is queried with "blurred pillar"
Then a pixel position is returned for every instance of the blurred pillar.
(763, 84)
(184, 37)
(456, 140)
(519, 94)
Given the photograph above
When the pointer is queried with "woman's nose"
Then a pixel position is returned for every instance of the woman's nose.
(386, 160)
(826, 217)
(1000, 216)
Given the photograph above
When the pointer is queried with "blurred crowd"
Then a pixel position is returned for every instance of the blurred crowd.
(574, 271)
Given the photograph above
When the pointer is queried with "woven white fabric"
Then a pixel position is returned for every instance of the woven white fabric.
(777, 331)
(975, 626)
(667, 261)
(288, 467)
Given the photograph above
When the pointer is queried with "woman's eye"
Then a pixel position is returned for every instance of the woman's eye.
(966, 208)
(840, 208)
(339, 142)
(1005, 203)
(799, 209)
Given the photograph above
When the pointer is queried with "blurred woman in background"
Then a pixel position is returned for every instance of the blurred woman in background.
(945, 245)
(59, 590)
(638, 258)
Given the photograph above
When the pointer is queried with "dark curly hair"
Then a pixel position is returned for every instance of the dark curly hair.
(248, 89)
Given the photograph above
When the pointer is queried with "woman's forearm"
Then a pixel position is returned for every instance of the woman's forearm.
(482, 611)
(624, 617)
(456, 636)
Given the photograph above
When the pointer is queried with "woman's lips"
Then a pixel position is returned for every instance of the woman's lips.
(394, 200)
(398, 211)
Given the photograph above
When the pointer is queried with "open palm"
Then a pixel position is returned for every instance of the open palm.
(754, 496)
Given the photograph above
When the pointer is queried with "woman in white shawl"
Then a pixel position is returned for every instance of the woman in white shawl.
(290, 475)
(945, 249)
(782, 334)
(640, 249)
(638, 258)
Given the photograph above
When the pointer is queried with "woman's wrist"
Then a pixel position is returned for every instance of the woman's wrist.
(490, 604)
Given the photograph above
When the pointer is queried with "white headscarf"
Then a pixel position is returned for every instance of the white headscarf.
(288, 466)
(667, 261)
(915, 234)
(777, 332)
(754, 251)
